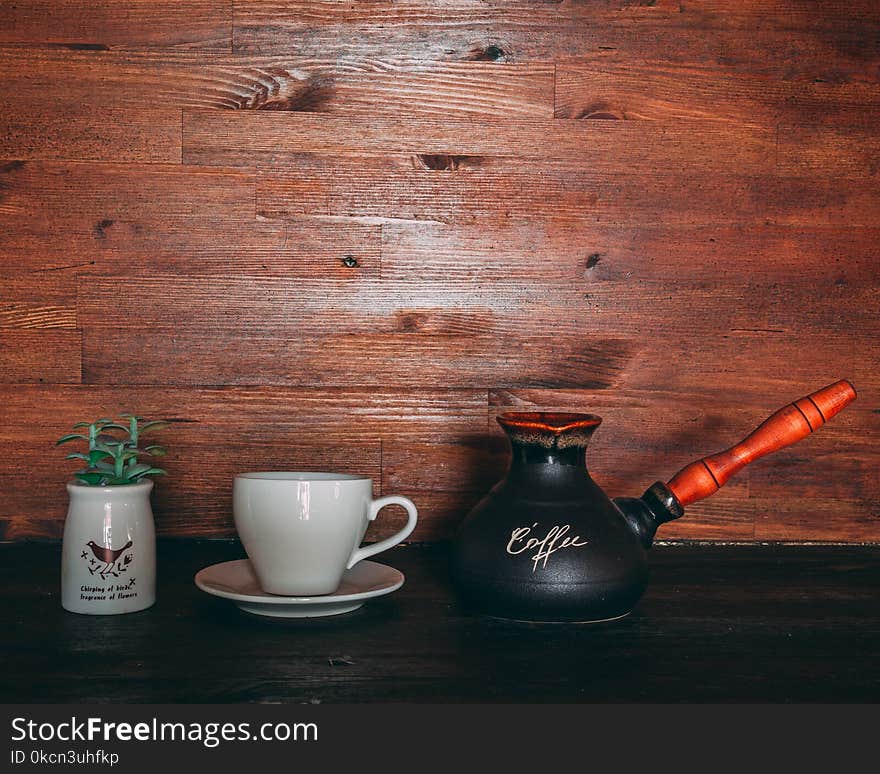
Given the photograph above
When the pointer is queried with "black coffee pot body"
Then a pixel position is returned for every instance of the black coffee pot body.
(547, 544)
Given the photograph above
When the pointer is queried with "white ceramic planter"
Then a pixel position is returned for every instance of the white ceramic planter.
(108, 562)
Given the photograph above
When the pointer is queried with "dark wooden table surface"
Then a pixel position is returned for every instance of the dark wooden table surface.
(721, 623)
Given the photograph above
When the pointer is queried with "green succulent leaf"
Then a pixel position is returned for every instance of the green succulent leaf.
(156, 451)
(152, 472)
(111, 450)
(96, 455)
(71, 437)
(150, 427)
(138, 470)
(114, 426)
(90, 478)
(77, 456)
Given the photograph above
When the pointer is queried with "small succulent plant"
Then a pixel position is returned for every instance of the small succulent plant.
(113, 450)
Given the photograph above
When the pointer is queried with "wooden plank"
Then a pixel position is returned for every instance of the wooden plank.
(757, 361)
(836, 151)
(278, 140)
(146, 135)
(216, 433)
(37, 301)
(213, 244)
(825, 467)
(450, 29)
(837, 55)
(657, 91)
(35, 196)
(70, 189)
(74, 80)
(769, 42)
(630, 88)
(442, 90)
(554, 254)
(388, 187)
(214, 330)
(784, 14)
(37, 356)
(97, 26)
(750, 15)
(201, 356)
(47, 208)
(462, 463)
(558, 254)
(271, 306)
(789, 518)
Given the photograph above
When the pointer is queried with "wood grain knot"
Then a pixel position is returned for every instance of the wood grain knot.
(100, 228)
(490, 53)
(410, 321)
(445, 162)
(11, 166)
(601, 111)
(275, 88)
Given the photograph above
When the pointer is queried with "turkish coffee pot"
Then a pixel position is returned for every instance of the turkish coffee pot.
(547, 544)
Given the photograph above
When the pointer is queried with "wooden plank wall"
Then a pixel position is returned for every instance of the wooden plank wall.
(336, 235)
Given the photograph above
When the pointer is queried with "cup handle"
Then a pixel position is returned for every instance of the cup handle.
(390, 542)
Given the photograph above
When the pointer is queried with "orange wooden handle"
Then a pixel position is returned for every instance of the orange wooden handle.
(797, 420)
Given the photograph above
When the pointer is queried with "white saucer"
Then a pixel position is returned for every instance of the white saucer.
(236, 581)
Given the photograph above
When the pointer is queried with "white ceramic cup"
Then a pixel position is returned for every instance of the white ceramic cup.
(302, 531)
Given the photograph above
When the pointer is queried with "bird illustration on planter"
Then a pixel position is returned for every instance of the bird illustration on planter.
(109, 557)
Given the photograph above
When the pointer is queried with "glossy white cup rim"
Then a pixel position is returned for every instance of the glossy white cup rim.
(282, 475)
